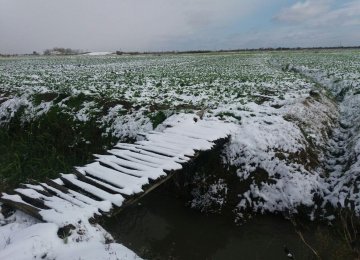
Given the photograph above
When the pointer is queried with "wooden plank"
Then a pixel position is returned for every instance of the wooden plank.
(123, 162)
(73, 186)
(152, 173)
(23, 206)
(137, 161)
(65, 196)
(171, 138)
(129, 184)
(156, 150)
(191, 134)
(101, 184)
(38, 188)
(45, 202)
(118, 168)
(81, 197)
(141, 157)
(162, 145)
(93, 191)
(148, 149)
(36, 202)
(136, 150)
(181, 151)
(56, 186)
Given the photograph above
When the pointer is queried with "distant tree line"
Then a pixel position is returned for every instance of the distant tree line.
(61, 51)
(237, 50)
(69, 51)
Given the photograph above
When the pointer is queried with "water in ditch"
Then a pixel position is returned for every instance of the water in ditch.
(160, 226)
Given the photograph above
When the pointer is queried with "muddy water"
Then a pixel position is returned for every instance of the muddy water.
(160, 226)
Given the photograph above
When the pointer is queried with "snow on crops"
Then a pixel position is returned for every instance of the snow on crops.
(284, 118)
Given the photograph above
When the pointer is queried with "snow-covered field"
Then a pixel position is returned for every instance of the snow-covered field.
(297, 147)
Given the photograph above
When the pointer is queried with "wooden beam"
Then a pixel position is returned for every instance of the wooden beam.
(28, 209)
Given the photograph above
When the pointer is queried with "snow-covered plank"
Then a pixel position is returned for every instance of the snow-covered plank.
(130, 156)
(165, 164)
(126, 162)
(100, 184)
(171, 138)
(104, 206)
(66, 196)
(145, 152)
(58, 204)
(193, 134)
(60, 211)
(140, 157)
(17, 202)
(32, 197)
(182, 140)
(187, 151)
(152, 173)
(129, 184)
(159, 151)
(115, 199)
(171, 147)
(122, 173)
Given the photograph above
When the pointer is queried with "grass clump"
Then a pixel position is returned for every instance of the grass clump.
(77, 101)
(157, 118)
(47, 146)
(222, 115)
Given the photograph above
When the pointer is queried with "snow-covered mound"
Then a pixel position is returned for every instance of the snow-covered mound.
(278, 152)
(98, 53)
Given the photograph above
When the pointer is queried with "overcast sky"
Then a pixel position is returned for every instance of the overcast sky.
(155, 25)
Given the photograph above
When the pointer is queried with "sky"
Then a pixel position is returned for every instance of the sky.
(164, 25)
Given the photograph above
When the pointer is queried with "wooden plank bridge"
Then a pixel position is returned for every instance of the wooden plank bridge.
(125, 173)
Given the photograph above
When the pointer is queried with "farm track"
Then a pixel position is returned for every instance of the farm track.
(342, 178)
(343, 158)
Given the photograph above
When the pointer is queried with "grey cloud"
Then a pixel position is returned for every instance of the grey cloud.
(111, 24)
(320, 13)
(290, 36)
(345, 15)
(302, 11)
(317, 23)
(146, 25)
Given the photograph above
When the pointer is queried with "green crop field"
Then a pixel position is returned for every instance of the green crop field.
(293, 110)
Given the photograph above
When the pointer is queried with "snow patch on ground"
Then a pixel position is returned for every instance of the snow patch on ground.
(272, 153)
(129, 125)
(23, 238)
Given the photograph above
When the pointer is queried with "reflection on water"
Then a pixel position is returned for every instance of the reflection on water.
(161, 227)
